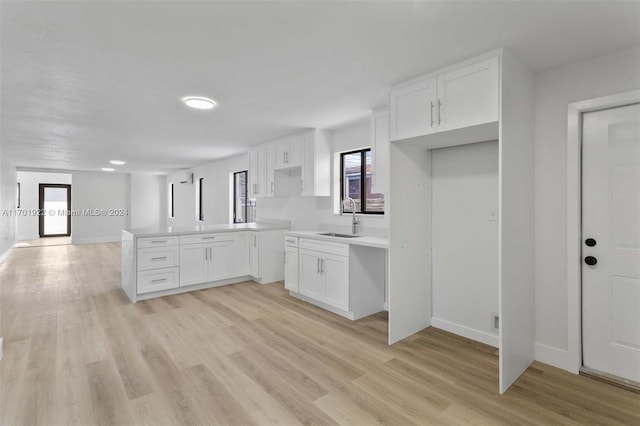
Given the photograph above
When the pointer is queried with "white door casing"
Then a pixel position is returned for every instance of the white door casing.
(611, 219)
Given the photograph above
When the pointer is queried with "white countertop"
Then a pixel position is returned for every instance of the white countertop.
(363, 240)
(199, 229)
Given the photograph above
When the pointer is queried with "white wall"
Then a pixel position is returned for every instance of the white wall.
(27, 226)
(148, 201)
(315, 212)
(464, 195)
(216, 192)
(554, 90)
(106, 191)
(7, 204)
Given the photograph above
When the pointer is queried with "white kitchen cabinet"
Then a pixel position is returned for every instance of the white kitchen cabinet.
(335, 270)
(256, 172)
(324, 272)
(204, 262)
(289, 152)
(311, 280)
(413, 110)
(379, 133)
(194, 264)
(462, 97)
(270, 170)
(316, 164)
(291, 272)
(254, 254)
(157, 280)
(242, 257)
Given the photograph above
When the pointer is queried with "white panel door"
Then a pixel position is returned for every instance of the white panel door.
(468, 96)
(413, 110)
(311, 280)
(194, 260)
(291, 269)
(335, 270)
(611, 241)
(221, 262)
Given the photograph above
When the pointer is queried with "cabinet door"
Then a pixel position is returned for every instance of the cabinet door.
(221, 262)
(242, 257)
(291, 268)
(308, 165)
(311, 281)
(294, 154)
(194, 262)
(282, 151)
(468, 96)
(413, 110)
(254, 254)
(380, 151)
(335, 270)
(254, 172)
(270, 167)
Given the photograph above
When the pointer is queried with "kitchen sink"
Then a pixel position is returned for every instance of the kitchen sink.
(333, 234)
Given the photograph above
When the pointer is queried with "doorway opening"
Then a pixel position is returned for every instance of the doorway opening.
(240, 198)
(54, 210)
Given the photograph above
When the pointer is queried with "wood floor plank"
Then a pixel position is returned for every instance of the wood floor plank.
(77, 352)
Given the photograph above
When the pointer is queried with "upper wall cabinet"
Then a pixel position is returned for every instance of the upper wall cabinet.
(289, 152)
(316, 164)
(308, 152)
(379, 134)
(462, 97)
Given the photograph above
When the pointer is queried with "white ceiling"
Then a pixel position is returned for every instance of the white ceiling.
(86, 82)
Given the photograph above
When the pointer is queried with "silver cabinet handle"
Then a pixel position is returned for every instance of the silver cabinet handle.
(159, 258)
(318, 266)
(158, 241)
(439, 111)
(208, 238)
(431, 113)
(159, 280)
(272, 187)
(321, 266)
(206, 254)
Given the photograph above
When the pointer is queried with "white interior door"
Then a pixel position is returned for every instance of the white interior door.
(611, 241)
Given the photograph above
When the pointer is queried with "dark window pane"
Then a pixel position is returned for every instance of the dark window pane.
(375, 201)
(351, 180)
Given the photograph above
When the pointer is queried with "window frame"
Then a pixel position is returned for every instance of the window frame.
(171, 201)
(200, 199)
(363, 182)
(246, 195)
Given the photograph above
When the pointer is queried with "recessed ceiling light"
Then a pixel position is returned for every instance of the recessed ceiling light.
(118, 162)
(107, 169)
(199, 102)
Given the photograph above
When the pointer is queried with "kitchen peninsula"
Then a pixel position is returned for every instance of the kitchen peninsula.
(169, 260)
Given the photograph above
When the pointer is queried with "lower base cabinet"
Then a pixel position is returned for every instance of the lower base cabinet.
(204, 262)
(324, 273)
(291, 281)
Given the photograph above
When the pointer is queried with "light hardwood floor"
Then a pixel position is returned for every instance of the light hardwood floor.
(78, 352)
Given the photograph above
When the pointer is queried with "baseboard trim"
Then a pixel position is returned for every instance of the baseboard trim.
(464, 331)
(98, 240)
(27, 237)
(551, 356)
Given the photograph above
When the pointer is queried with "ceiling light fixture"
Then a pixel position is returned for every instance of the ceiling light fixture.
(118, 162)
(107, 169)
(199, 102)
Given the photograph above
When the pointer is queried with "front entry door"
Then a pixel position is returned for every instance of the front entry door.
(611, 241)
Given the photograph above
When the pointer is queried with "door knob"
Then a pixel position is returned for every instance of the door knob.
(590, 242)
(590, 260)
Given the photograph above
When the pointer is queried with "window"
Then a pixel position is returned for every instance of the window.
(170, 203)
(354, 165)
(199, 204)
(240, 199)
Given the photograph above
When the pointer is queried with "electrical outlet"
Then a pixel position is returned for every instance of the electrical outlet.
(495, 321)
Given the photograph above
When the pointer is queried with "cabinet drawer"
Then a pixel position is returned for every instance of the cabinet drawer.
(206, 238)
(324, 247)
(158, 279)
(291, 241)
(158, 257)
(157, 242)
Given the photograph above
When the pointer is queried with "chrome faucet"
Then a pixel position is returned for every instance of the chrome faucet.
(355, 222)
